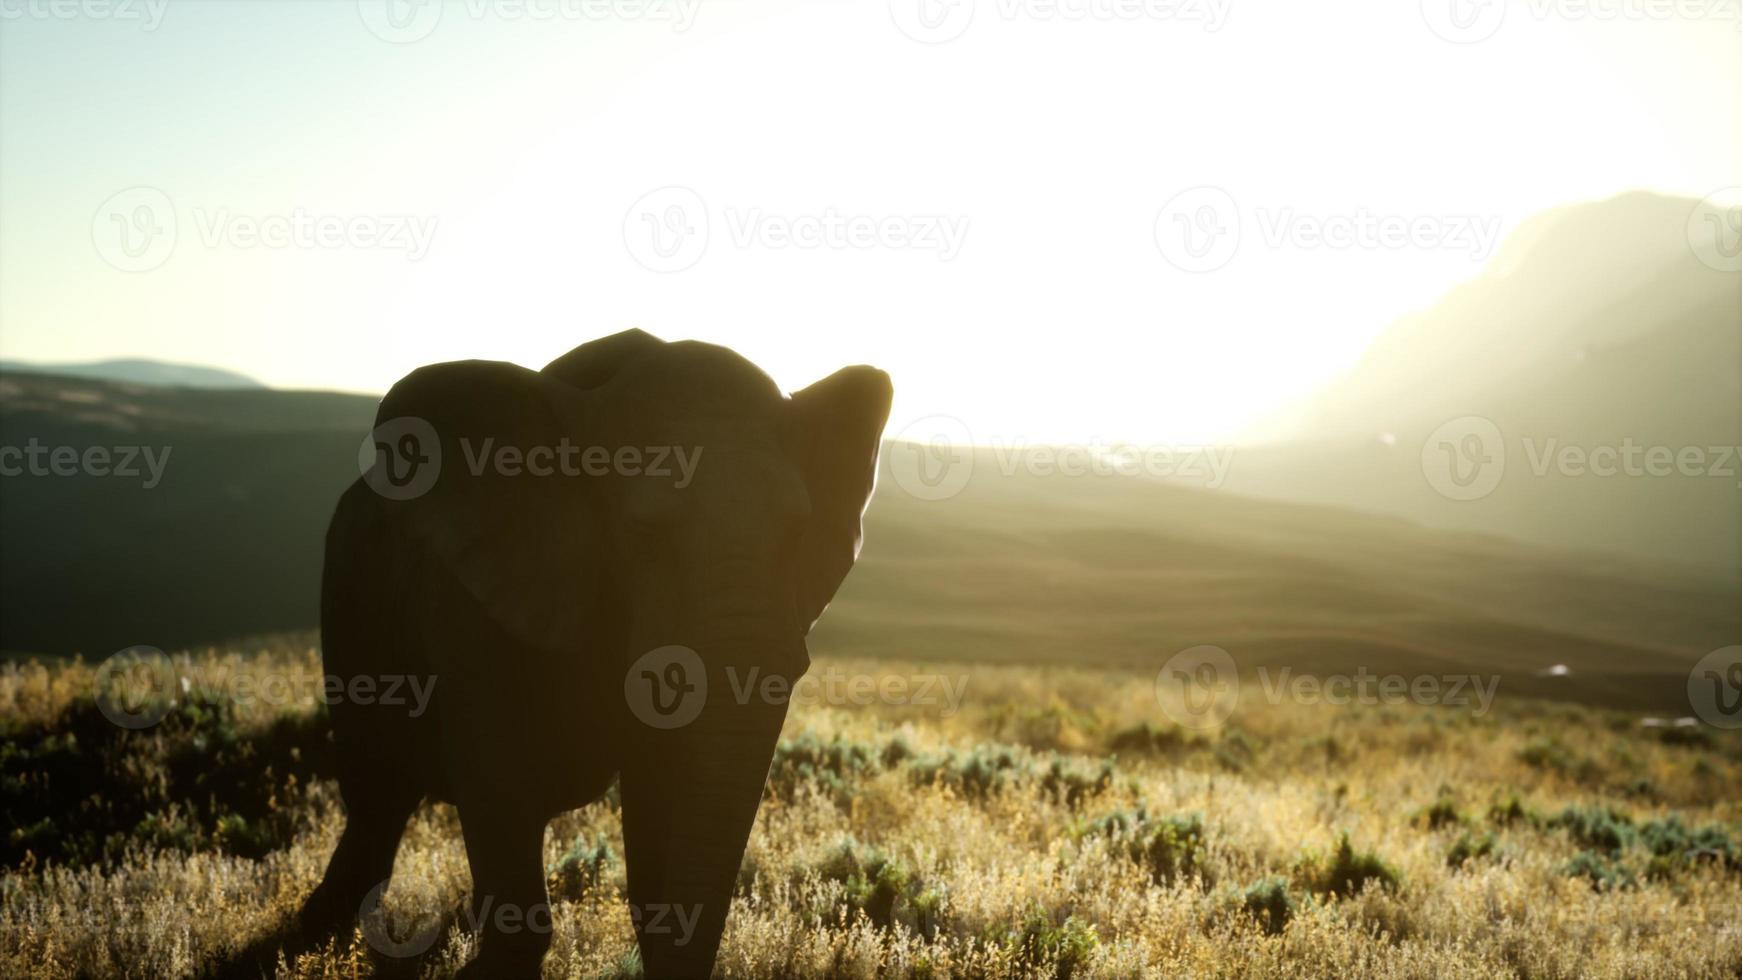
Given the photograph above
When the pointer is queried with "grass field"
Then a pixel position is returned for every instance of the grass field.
(1053, 823)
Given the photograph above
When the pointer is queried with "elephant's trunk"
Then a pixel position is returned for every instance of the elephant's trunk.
(690, 796)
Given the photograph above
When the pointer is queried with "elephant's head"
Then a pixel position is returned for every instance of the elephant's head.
(694, 530)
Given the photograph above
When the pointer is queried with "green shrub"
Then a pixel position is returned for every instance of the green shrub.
(1066, 945)
(1674, 845)
(876, 883)
(1349, 871)
(1508, 812)
(1605, 874)
(977, 774)
(1596, 827)
(1470, 846)
(835, 765)
(1169, 847)
(1443, 813)
(1270, 902)
(1147, 739)
(581, 869)
(1072, 784)
(197, 780)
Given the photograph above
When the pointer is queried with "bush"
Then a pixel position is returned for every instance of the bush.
(1508, 812)
(880, 886)
(834, 765)
(977, 774)
(1349, 871)
(79, 790)
(1598, 827)
(1236, 750)
(1549, 755)
(1675, 846)
(1169, 847)
(1604, 873)
(1071, 784)
(581, 869)
(1443, 813)
(1470, 846)
(1067, 946)
(1270, 902)
(1147, 739)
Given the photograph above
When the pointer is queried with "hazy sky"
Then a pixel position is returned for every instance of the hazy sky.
(995, 198)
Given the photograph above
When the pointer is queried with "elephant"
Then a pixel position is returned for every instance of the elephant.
(532, 597)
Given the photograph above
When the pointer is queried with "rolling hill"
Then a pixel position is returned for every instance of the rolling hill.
(1597, 325)
(139, 371)
(1019, 568)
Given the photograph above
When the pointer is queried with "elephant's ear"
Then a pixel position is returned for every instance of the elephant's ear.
(598, 361)
(517, 540)
(840, 426)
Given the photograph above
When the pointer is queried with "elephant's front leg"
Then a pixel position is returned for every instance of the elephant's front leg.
(510, 908)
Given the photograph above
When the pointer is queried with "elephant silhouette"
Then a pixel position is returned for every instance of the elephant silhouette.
(585, 615)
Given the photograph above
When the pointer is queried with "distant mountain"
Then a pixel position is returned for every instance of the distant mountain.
(140, 371)
(1596, 325)
(1017, 568)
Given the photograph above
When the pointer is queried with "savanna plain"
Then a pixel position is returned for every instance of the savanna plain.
(1056, 822)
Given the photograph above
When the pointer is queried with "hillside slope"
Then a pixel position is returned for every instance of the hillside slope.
(1107, 570)
(1596, 326)
(139, 371)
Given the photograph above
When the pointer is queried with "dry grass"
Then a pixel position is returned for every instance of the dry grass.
(1057, 825)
